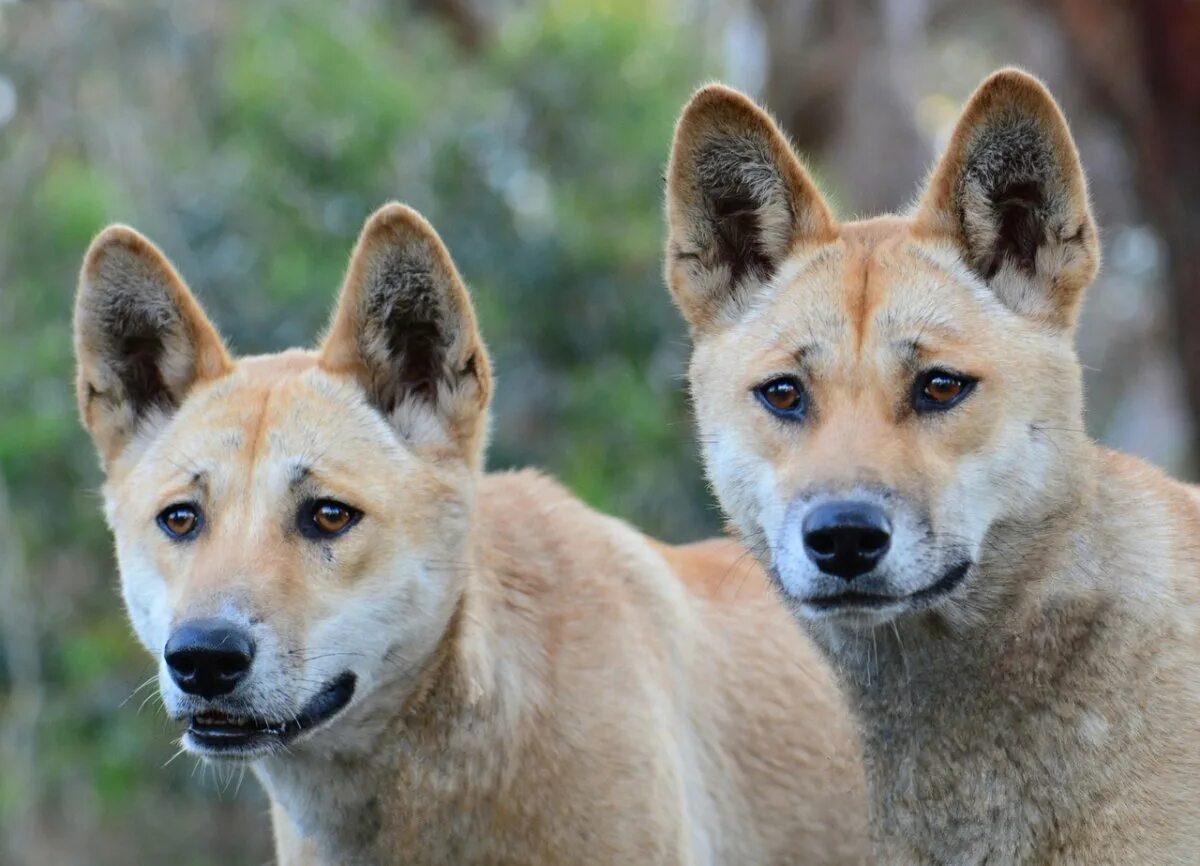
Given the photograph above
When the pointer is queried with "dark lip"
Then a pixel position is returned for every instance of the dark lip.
(217, 732)
(865, 601)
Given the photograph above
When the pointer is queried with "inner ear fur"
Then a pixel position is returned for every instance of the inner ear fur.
(738, 201)
(405, 328)
(142, 340)
(1011, 194)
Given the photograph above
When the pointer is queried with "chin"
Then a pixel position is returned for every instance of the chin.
(850, 616)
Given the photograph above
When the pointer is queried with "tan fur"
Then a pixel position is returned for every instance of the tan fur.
(536, 683)
(1047, 708)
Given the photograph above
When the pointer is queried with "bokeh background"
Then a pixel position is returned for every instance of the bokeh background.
(250, 140)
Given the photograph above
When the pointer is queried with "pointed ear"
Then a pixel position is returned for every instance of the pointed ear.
(405, 329)
(141, 339)
(1011, 194)
(738, 202)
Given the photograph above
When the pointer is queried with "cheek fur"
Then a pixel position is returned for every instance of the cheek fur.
(1007, 479)
(147, 598)
(384, 626)
(746, 485)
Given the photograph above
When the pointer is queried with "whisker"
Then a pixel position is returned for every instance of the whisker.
(171, 759)
(151, 679)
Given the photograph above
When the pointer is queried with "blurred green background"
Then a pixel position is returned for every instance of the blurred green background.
(250, 141)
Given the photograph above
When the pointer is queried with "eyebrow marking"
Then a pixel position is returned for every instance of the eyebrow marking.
(198, 479)
(300, 473)
(801, 353)
(910, 350)
(196, 482)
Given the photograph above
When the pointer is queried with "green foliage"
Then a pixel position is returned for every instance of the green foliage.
(251, 141)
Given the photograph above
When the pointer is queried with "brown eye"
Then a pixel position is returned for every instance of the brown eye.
(943, 388)
(331, 518)
(180, 521)
(327, 518)
(783, 396)
(938, 390)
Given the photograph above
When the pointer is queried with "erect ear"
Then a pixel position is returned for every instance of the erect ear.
(141, 340)
(1011, 194)
(405, 328)
(738, 202)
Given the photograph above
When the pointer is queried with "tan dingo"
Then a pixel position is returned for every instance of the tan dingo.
(422, 663)
(891, 414)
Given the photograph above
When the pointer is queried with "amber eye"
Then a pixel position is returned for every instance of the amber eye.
(180, 521)
(943, 389)
(783, 396)
(326, 518)
(938, 390)
(331, 517)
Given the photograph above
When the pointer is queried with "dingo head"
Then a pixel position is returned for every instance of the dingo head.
(290, 529)
(877, 399)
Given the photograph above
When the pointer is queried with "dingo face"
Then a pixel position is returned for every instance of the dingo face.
(875, 398)
(289, 528)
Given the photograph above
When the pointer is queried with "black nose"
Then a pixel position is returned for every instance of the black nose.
(209, 657)
(847, 539)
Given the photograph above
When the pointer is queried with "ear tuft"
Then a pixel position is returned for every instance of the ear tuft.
(738, 201)
(141, 339)
(1011, 193)
(406, 330)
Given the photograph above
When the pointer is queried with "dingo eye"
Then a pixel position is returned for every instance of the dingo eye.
(783, 396)
(939, 390)
(180, 521)
(326, 518)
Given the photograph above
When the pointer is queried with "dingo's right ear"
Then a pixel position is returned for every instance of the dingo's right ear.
(141, 339)
(405, 328)
(738, 201)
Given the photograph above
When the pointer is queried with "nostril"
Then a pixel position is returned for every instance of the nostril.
(232, 666)
(873, 542)
(822, 543)
(182, 665)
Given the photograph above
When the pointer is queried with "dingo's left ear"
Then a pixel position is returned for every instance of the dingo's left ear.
(738, 202)
(1010, 192)
(405, 328)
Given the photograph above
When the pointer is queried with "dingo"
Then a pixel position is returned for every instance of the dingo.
(890, 413)
(425, 664)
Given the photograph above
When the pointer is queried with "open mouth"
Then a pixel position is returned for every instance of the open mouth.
(215, 731)
(867, 601)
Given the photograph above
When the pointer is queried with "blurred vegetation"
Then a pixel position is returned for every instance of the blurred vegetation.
(250, 141)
